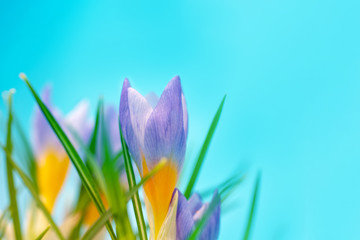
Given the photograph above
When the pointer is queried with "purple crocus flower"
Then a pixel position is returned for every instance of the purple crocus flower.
(190, 212)
(184, 215)
(52, 162)
(156, 130)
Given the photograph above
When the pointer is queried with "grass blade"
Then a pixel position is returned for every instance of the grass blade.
(226, 185)
(83, 198)
(203, 150)
(42, 234)
(252, 209)
(30, 163)
(115, 194)
(79, 165)
(97, 226)
(135, 198)
(9, 172)
(30, 186)
(117, 155)
(91, 161)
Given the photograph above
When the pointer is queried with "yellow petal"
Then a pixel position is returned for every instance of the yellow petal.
(92, 214)
(159, 190)
(51, 170)
(168, 228)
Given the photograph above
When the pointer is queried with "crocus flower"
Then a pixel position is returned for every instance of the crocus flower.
(51, 159)
(155, 131)
(190, 212)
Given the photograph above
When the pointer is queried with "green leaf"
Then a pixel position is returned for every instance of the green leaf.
(252, 209)
(132, 183)
(42, 234)
(104, 139)
(229, 187)
(203, 150)
(79, 165)
(97, 226)
(30, 161)
(92, 145)
(91, 162)
(117, 201)
(114, 191)
(143, 180)
(30, 186)
(10, 178)
(117, 155)
(226, 188)
(202, 223)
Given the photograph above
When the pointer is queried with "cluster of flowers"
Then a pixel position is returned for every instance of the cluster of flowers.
(155, 132)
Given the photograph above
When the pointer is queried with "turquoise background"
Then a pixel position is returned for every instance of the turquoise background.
(290, 69)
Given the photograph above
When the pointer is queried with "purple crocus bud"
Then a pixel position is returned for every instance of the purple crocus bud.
(52, 162)
(155, 130)
(190, 212)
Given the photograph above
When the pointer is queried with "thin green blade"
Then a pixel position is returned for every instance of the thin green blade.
(42, 234)
(97, 226)
(10, 178)
(91, 162)
(203, 150)
(30, 186)
(29, 158)
(252, 209)
(79, 165)
(135, 198)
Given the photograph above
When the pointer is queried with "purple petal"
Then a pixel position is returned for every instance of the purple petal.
(125, 122)
(112, 125)
(185, 115)
(211, 230)
(134, 112)
(195, 203)
(152, 98)
(164, 133)
(43, 135)
(77, 120)
(184, 218)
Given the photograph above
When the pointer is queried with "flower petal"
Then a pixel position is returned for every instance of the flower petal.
(159, 190)
(164, 133)
(152, 98)
(184, 218)
(77, 120)
(212, 227)
(195, 203)
(43, 135)
(134, 112)
(185, 115)
(168, 228)
(112, 125)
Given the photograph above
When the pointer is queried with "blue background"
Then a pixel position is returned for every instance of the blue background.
(290, 69)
